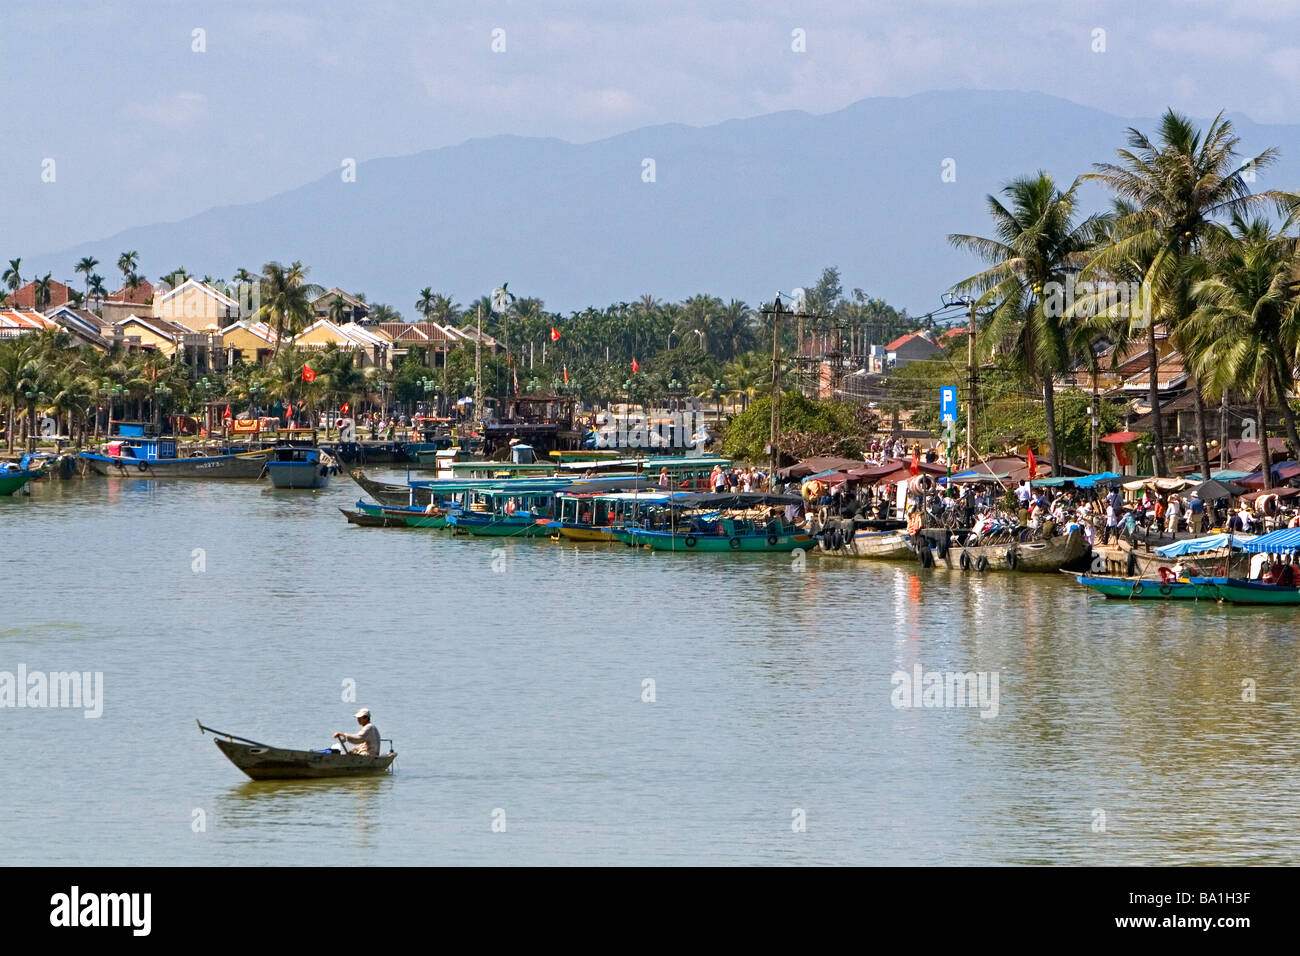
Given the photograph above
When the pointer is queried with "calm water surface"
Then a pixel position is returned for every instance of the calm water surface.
(510, 676)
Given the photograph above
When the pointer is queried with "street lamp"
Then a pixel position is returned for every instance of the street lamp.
(256, 396)
(700, 333)
(161, 392)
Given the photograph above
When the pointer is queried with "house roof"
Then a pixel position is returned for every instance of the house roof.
(24, 298)
(413, 332)
(902, 340)
(140, 296)
(347, 334)
(326, 298)
(25, 320)
(259, 329)
(164, 327)
(202, 287)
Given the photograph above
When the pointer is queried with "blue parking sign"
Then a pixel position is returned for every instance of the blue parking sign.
(948, 404)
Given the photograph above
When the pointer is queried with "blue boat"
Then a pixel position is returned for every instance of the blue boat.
(1150, 589)
(295, 466)
(132, 454)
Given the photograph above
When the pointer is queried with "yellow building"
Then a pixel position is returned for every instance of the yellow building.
(370, 348)
(247, 341)
(197, 306)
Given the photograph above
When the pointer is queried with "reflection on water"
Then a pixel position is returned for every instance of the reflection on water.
(512, 676)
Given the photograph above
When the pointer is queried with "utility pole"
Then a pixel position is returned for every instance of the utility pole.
(1223, 435)
(777, 310)
(972, 375)
(478, 367)
(1096, 421)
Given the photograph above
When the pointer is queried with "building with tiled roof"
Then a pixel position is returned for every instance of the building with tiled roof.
(16, 322)
(24, 298)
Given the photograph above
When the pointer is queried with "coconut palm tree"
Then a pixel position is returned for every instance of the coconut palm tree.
(1038, 247)
(41, 293)
(18, 367)
(285, 302)
(1181, 184)
(95, 287)
(425, 303)
(338, 308)
(1244, 329)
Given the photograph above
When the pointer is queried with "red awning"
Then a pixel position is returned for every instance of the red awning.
(1121, 438)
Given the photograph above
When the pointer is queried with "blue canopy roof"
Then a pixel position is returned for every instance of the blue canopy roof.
(1283, 539)
(1223, 474)
(1211, 542)
(1087, 481)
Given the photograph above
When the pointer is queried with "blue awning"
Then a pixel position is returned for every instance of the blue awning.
(1087, 481)
(1281, 540)
(1213, 542)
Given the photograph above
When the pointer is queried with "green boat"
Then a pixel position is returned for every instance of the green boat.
(14, 477)
(498, 526)
(1148, 589)
(405, 517)
(743, 522)
(770, 539)
(1242, 591)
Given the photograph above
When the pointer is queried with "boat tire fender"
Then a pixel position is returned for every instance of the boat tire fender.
(981, 563)
(1166, 590)
(734, 543)
(965, 561)
(141, 467)
(771, 541)
(690, 541)
(1137, 587)
(1013, 558)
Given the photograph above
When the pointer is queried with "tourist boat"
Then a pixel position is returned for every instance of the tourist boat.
(366, 520)
(517, 508)
(133, 455)
(1037, 555)
(1243, 591)
(263, 762)
(1149, 589)
(720, 523)
(404, 517)
(591, 513)
(296, 466)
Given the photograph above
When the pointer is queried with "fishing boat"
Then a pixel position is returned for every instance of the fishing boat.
(1006, 553)
(1149, 589)
(591, 510)
(264, 762)
(741, 522)
(842, 537)
(384, 492)
(132, 454)
(14, 477)
(364, 520)
(515, 508)
(296, 466)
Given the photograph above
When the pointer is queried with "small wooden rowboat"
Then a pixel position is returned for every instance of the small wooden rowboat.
(263, 762)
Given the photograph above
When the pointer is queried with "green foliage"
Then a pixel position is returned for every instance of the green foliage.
(808, 427)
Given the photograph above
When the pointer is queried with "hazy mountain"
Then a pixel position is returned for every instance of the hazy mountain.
(740, 209)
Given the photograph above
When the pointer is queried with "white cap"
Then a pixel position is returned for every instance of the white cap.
(363, 712)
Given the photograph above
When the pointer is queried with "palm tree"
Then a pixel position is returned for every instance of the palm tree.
(95, 287)
(285, 301)
(1037, 249)
(1180, 184)
(18, 367)
(126, 264)
(337, 309)
(1244, 329)
(41, 293)
(86, 266)
(424, 305)
(12, 278)
(384, 313)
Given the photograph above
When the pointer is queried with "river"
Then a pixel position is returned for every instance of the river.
(577, 703)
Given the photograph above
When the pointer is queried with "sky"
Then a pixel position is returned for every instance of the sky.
(153, 111)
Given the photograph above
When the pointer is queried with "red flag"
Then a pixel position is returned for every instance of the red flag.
(916, 460)
(516, 383)
(555, 334)
(308, 374)
(635, 368)
(343, 409)
(1033, 465)
(227, 415)
(288, 412)
(566, 375)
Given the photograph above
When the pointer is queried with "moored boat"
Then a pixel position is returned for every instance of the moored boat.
(365, 520)
(1148, 589)
(132, 454)
(1036, 555)
(295, 466)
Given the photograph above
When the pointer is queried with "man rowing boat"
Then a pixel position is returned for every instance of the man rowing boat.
(367, 742)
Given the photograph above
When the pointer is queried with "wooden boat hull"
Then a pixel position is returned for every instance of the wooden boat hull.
(273, 763)
(716, 544)
(12, 481)
(298, 474)
(875, 545)
(1240, 591)
(1147, 589)
(364, 520)
(219, 466)
(1031, 556)
(385, 493)
(404, 517)
(582, 532)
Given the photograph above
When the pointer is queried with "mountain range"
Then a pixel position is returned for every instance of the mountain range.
(741, 209)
